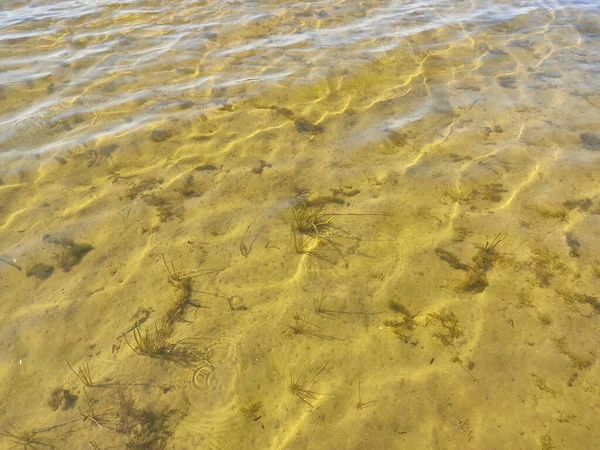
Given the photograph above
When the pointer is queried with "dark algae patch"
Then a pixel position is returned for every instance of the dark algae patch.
(401, 328)
(40, 270)
(580, 362)
(147, 184)
(62, 399)
(161, 135)
(206, 168)
(571, 297)
(302, 124)
(476, 281)
(573, 245)
(449, 326)
(188, 188)
(590, 141)
(147, 428)
(71, 253)
(305, 126)
(491, 192)
(165, 210)
(451, 259)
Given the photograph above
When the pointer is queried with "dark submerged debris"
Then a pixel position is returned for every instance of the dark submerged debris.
(145, 428)
(62, 398)
(10, 261)
(206, 168)
(360, 404)
(305, 126)
(83, 373)
(451, 259)
(476, 279)
(544, 318)
(260, 166)
(71, 252)
(545, 264)
(400, 139)
(182, 282)
(551, 211)
(40, 270)
(237, 303)
(491, 192)
(26, 438)
(450, 326)
(165, 210)
(144, 185)
(188, 189)
(345, 191)
(161, 135)
(302, 124)
(246, 249)
(467, 367)
(184, 301)
(590, 141)
(107, 150)
(572, 379)
(573, 245)
(570, 297)
(321, 310)
(251, 411)
(584, 204)
(302, 390)
(303, 327)
(403, 328)
(579, 362)
(157, 344)
(324, 200)
(310, 223)
(507, 82)
(104, 419)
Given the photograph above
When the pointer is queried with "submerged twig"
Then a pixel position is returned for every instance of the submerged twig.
(10, 261)
(246, 249)
(361, 404)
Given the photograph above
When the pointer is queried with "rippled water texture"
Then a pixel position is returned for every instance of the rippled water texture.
(303, 225)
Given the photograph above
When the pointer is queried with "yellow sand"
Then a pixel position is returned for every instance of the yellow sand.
(424, 155)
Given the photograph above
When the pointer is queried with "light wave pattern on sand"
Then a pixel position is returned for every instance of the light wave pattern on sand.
(281, 224)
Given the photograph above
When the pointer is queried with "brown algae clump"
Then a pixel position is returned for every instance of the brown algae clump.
(40, 270)
(476, 279)
(449, 324)
(403, 329)
(580, 362)
(71, 253)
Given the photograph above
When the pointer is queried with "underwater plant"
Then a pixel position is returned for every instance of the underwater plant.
(302, 390)
(83, 374)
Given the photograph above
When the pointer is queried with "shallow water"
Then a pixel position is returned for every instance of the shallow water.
(300, 225)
